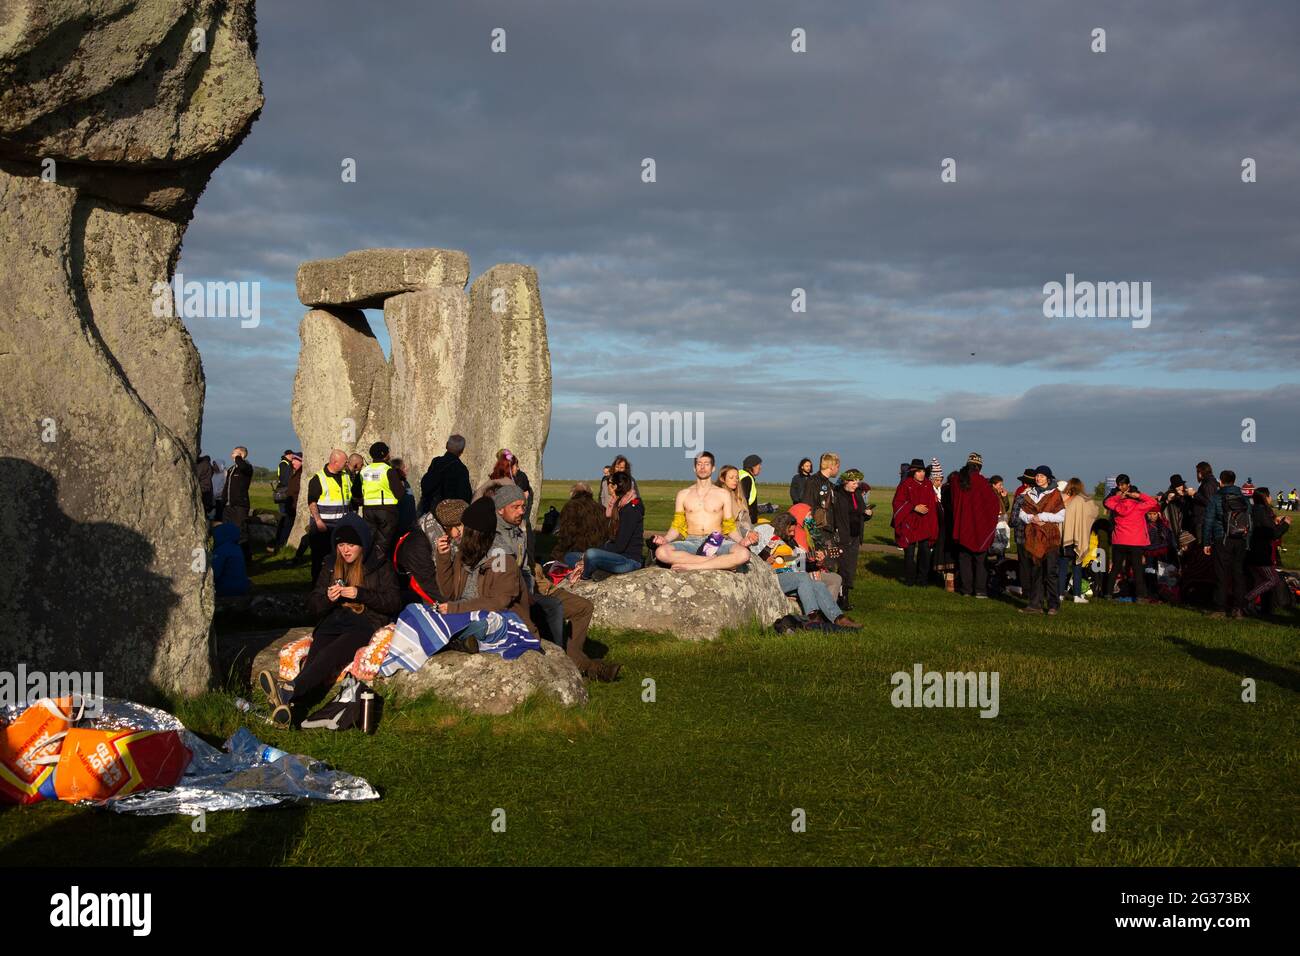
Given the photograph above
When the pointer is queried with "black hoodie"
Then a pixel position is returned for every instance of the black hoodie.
(381, 594)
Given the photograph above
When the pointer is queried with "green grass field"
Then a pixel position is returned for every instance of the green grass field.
(1134, 710)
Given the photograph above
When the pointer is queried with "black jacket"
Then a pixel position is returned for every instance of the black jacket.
(631, 529)
(1264, 530)
(239, 476)
(797, 485)
(381, 594)
(819, 494)
(850, 515)
(1200, 502)
(415, 557)
(446, 478)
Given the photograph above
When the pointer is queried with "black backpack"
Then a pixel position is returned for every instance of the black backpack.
(1236, 517)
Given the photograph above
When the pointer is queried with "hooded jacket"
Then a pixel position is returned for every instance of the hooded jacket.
(229, 576)
(1131, 519)
(380, 594)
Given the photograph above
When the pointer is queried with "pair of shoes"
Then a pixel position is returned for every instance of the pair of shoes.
(1031, 610)
(1052, 610)
(1217, 615)
(467, 645)
(817, 617)
(282, 716)
(981, 597)
(1080, 599)
(845, 621)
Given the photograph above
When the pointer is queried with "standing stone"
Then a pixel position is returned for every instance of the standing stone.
(365, 278)
(340, 392)
(513, 372)
(103, 398)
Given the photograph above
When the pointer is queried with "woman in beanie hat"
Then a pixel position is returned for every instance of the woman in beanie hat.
(413, 552)
(354, 596)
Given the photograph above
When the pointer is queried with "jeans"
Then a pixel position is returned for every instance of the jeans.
(597, 560)
(1069, 559)
(812, 594)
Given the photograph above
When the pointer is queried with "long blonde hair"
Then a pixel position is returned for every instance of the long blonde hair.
(737, 494)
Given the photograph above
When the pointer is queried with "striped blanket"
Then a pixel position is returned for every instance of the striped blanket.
(421, 631)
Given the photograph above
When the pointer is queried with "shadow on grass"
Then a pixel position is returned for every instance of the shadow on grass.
(1243, 665)
(89, 837)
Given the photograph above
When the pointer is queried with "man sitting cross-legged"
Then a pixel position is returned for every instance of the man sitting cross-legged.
(701, 510)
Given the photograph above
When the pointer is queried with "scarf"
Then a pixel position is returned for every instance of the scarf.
(1041, 538)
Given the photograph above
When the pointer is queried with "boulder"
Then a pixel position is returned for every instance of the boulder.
(365, 278)
(114, 94)
(693, 605)
(479, 683)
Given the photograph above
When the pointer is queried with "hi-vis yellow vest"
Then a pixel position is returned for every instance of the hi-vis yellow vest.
(374, 485)
(335, 493)
(753, 485)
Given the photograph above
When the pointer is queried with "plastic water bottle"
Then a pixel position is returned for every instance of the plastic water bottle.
(242, 705)
(245, 744)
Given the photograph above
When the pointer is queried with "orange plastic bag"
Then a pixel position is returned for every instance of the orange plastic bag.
(103, 764)
(28, 746)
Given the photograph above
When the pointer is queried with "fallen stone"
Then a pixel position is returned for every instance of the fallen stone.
(479, 683)
(365, 278)
(692, 605)
(488, 684)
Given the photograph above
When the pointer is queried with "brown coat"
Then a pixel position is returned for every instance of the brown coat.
(498, 590)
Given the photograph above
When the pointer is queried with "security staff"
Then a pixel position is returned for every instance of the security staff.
(753, 467)
(382, 489)
(329, 494)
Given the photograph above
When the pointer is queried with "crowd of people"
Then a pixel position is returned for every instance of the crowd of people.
(460, 548)
(1213, 543)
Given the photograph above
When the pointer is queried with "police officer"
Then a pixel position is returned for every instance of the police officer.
(382, 489)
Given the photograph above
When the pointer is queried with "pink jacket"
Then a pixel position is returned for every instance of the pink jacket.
(1131, 519)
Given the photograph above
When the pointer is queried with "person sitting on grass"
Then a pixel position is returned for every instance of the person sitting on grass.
(621, 553)
(703, 535)
(355, 595)
(779, 548)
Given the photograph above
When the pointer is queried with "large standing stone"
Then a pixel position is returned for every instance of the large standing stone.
(340, 392)
(365, 278)
(513, 358)
(103, 398)
(694, 605)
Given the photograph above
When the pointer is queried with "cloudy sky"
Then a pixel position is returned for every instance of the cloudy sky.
(779, 170)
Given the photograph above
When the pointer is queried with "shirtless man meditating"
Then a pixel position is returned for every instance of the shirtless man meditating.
(702, 509)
